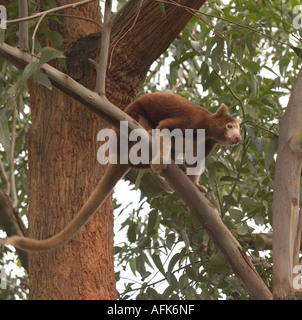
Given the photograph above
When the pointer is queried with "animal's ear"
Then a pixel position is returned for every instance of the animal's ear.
(239, 120)
(222, 111)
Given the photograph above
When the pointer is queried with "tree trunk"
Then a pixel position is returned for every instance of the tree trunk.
(63, 167)
(286, 201)
(62, 173)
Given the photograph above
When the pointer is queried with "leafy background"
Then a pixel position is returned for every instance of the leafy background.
(241, 53)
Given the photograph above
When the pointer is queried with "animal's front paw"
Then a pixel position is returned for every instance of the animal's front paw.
(158, 168)
(201, 188)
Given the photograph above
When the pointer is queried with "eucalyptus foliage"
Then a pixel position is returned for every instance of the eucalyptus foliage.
(244, 54)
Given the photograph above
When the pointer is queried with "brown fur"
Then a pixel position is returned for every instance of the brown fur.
(170, 111)
(156, 110)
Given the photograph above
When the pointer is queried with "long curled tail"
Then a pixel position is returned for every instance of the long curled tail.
(112, 175)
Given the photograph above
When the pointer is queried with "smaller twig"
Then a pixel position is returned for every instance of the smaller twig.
(6, 179)
(230, 89)
(124, 32)
(102, 66)
(35, 32)
(245, 147)
(260, 127)
(198, 15)
(73, 16)
(23, 26)
(12, 160)
(93, 63)
(39, 14)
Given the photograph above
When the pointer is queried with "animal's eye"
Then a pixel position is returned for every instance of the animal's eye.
(229, 126)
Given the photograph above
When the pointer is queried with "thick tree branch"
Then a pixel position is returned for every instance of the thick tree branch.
(286, 219)
(208, 216)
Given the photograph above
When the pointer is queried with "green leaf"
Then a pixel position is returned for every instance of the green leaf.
(172, 280)
(250, 43)
(269, 152)
(56, 38)
(131, 233)
(41, 78)
(230, 200)
(190, 293)
(48, 54)
(258, 218)
(196, 45)
(224, 65)
(239, 48)
(153, 294)
(237, 215)
(259, 242)
(249, 203)
(140, 265)
(132, 265)
(117, 249)
(162, 7)
(185, 238)
(139, 178)
(298, 51)
(158, 263)
(243, 230)
(4, 132)
(283, 64)
(251, 65)
(191, 272)
(152, 219)
(29, 70)
(217, 53)
(210, 80)
(173, 261)
(230, 49)
(170, 241)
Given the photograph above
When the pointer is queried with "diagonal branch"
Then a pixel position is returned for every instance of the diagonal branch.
(208, 216)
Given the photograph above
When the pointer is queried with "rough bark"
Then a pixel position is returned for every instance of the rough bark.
(62, 174)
